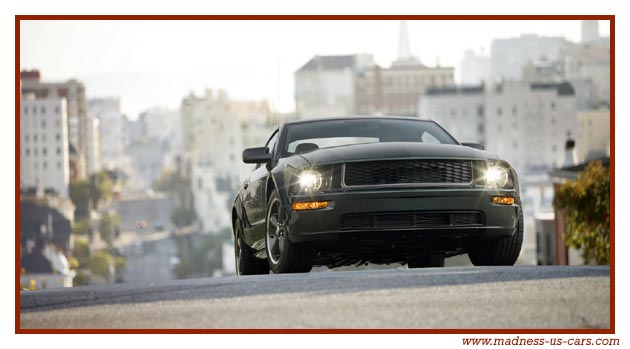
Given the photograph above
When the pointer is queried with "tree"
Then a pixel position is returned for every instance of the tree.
(109, 227)
(586, 203)
(86, 194)
(80, 196)
(182, 217)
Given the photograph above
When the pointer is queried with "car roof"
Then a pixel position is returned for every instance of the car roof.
(357, 117)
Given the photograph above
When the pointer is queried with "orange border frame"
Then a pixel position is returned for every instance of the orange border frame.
(610, 18)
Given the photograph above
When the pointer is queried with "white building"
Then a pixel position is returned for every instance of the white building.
(508, 56)
(526, 124)
(44, 153)
(212, 139)
(475, 68)
(593, 135)
(590, 31)
(112, 133)
(78, 122)
(256, 122)
(94, 145)
(324, 86)
(589, 62)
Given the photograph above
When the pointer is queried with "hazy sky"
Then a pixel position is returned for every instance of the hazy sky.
(149, 63)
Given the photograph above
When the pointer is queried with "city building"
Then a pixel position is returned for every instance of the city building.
(78, 124)
(325, 85)
(459, 109)
(213, 144)
(256, 122)
(590, 31)
(146, 155)
(397, 89)
(112, 135)
(164, 126)
(589, 62)
(509, 55)
(475, 68)
(527, 124)
(593, 134)
(44, 149)
(94, 145)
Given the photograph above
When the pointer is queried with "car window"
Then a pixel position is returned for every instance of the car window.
(429, 138)
(332, 142)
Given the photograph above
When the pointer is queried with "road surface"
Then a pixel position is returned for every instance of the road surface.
(458, 297)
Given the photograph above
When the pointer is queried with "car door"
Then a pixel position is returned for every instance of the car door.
(255, 196)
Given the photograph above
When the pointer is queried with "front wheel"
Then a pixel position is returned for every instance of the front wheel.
(503, 251)
(283, 255)
(246, 262)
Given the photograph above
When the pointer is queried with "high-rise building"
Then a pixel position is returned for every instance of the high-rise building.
(44, 150)
(78, 122)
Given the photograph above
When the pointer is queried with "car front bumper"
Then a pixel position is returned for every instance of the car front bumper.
(326, 224)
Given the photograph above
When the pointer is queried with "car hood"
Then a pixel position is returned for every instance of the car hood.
(394, 150)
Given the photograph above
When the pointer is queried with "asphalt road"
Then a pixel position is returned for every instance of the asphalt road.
(462, 297)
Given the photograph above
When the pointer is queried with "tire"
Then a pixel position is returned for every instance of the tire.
(503, 251)
(284, 256)
(246, 262)
(426, 262)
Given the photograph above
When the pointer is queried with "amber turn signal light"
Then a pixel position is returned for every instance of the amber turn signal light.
(309, 205)
(503, 200)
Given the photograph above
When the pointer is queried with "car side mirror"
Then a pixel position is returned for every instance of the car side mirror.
(474, 145)
(258, 155)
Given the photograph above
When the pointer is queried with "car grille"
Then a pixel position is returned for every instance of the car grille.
(411, 220)
(408, 172)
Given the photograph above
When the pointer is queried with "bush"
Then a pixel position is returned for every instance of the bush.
(81, 251)
(182, 217)
(120, 263)
(81, 226)
(100, 264)
(74, 263)
(82, 278)
(109, 227)
(586, 203)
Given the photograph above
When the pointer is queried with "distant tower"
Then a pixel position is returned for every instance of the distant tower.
(590, 31)
(404, 50)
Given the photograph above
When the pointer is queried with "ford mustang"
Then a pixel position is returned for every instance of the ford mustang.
(381, 190)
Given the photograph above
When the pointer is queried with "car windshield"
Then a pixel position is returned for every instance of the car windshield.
(308, 136)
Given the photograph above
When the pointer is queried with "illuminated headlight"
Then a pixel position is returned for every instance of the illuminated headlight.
(310, 180)
(497, 177)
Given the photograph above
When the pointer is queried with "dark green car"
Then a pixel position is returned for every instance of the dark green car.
(350, 191)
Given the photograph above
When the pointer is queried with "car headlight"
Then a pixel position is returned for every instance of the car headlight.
(309, 180)
(496, 177)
